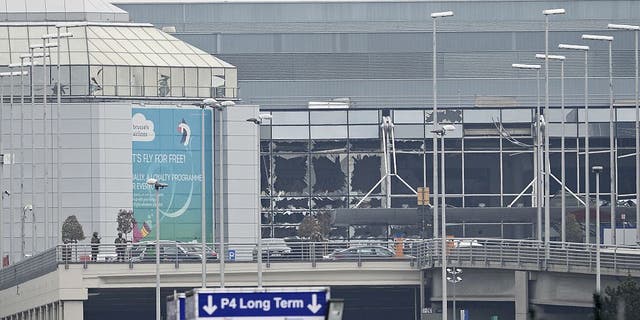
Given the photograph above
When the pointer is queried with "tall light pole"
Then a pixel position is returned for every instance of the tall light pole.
(209, 102)
(612, 144)
(537, 161)
(635, 29)
(258, 121)
(220, 107)
(157, 185)
(587, 211)
(59, 36)
(597, 170)
(547, 169)
(455, 276)
(440, 133)
(44, 46)
(2, 84)
(547, 165)
(434, 17)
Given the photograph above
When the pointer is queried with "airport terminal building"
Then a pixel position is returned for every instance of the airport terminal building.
(128, 109)
(349, 88)
(375, 60)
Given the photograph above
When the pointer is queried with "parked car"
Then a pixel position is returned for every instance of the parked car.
(169, 251)
(273, 248)
(363, 252)
(466, 243)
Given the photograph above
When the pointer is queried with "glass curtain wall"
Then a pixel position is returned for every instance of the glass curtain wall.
(314, 161)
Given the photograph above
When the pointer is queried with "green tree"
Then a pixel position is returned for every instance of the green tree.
(125, 221)
(623, 298)
(310, 229)
(574, 229)
(72, 230)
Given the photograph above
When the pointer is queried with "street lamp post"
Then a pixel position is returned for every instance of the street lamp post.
(434, 17)
(210, 102)
(44, 46)
(157, 185)
(587, 212)
(59, 36)
(258, 121)
(443, 219)
(547, 169)
(635, 29)
(537, 161)
(455, 276)
(597, 170)
(2, 235)
(547, 165)
(220, 107)
(22, 234)
(612, 163)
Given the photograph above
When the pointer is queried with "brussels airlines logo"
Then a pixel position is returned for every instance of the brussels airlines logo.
(185, 130)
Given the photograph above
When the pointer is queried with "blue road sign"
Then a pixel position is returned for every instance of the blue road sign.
(271, 303)
(231, 255)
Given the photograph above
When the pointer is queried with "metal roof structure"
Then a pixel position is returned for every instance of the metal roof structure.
(61, 10)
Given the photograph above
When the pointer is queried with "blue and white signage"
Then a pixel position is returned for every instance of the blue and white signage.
(250, 304)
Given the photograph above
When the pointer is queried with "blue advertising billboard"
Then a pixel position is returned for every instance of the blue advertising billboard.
(166, 145)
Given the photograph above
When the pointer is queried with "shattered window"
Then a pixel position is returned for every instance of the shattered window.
(290, 174)
(366, 171)
(444, 116)
(328, 202)
(370, 202)
(329, 174)
(329, 145)
(291, 146)
(363, 145)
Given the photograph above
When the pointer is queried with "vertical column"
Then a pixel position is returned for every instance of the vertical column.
(521, 294)
(72, 310)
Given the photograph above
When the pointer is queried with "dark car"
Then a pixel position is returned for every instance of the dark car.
(169, 251)
(362, 252)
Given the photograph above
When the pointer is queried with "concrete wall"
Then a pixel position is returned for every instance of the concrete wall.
(96, 172)
(94, 153)
(241, 173)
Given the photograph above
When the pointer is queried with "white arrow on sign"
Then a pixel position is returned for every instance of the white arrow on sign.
(210, 308)
(314, 306)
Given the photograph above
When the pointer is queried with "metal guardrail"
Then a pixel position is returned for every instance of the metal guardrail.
(30, 268)
(425, 254)
(530, 255)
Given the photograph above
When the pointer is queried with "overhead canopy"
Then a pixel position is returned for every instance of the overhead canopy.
(123, 59)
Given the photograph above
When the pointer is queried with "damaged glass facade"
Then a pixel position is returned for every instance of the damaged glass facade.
(317, 160)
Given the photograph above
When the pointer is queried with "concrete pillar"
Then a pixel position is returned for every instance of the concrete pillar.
(72, 310)
(521, 294)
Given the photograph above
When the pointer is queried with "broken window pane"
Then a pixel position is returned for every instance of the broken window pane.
(482, 173)
(328, 202)
(370, 202)
(288, 217)
(366, 171)
(285, 231)
(290, 174)
(360, 145)
(291, 146)
(410, 170)
(329, 174)
(444, 116)
(329, 145)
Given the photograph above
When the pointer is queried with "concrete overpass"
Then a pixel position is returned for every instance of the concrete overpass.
(509, 275)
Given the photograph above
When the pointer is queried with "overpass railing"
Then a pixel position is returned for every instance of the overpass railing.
(30, 268)
(530, 255)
